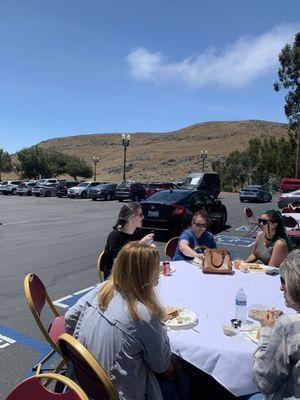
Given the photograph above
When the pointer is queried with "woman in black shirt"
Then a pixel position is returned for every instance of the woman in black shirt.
(126, 229)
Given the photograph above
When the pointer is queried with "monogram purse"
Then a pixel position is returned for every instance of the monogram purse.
(217, 261)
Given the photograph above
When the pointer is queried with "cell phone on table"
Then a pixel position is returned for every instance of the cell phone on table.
(273, 272)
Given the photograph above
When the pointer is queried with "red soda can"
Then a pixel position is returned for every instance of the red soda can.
(166, 268)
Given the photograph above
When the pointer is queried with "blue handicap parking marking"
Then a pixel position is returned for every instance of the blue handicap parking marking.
(243, 228)
(11, 336)
(70, 300)
(234, 241)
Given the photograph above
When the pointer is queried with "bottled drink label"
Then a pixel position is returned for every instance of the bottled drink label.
(240, 302)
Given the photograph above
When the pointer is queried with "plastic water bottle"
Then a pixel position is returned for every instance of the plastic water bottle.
(241, 305)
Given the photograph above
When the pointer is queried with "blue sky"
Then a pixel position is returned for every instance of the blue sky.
(72, 67)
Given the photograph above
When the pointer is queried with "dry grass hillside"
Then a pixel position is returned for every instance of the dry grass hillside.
(164, 156)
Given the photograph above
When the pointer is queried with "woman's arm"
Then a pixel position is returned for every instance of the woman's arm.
(280, 251)
(252, 257)
(271, 359)
(185, 248)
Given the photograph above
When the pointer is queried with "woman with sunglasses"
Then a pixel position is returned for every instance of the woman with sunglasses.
(192, 240)
(126, 229)
(277, 358)
(272, 244)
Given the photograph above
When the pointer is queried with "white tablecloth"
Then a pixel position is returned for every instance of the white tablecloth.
(228, 359)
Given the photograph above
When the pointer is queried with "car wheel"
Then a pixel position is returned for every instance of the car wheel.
(84, 195)
(108, 197)
(47, 194)
(270, 198)
(37, 195)
(94, 198)
(242, 200)
(13, 192)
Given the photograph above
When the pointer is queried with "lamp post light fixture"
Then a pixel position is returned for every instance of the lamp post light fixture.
(96, 160)
(203, 156)
(1, 154)
(125, 142)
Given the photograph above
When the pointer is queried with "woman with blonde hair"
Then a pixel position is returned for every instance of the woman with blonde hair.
(121, 324)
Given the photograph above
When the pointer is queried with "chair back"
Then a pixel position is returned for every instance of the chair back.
(88, 372)
(248, 212)
(170, 247)
(36, 297)
(33, 388)
(290, 222)
(287, 210)
(100, 266)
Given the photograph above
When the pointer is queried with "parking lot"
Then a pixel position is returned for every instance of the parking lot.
(59, 240)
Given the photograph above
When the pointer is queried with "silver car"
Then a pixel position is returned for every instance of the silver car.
(81, 190)
(9, 187)
(25, 188)
(44, 190)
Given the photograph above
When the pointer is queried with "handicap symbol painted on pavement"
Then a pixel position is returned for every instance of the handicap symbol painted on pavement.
(70, 300)
(234, 241)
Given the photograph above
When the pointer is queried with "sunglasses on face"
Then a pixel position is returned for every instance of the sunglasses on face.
(198, 225)
(263, 221)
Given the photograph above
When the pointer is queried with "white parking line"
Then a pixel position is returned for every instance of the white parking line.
(84, 290)
(19, 222)
(6, 341)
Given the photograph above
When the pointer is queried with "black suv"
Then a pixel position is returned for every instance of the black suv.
(130, 190)
(62, 188)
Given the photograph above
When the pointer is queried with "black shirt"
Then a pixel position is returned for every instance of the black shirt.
(115, 241)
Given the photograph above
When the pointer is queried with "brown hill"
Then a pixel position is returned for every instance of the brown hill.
(164, 156)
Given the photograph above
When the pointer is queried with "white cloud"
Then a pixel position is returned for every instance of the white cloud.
(233, 67)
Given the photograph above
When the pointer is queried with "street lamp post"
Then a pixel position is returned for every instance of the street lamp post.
(203, 156)
(96, 160)
(1, 154)
(125, 142)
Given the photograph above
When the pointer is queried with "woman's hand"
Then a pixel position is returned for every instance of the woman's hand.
(148, 239)
(268, 320)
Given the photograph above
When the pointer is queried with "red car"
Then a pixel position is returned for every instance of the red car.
(289, 184)
(155, 187)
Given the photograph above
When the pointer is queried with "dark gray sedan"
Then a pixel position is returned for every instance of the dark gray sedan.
(104, 191)
(255, 193)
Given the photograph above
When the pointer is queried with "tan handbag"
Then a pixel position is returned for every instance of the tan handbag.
(217, 261)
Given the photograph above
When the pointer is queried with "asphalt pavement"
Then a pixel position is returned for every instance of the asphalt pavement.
(60, 240)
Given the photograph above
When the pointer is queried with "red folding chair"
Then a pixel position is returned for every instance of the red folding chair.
(251, 221)
(33, 389)
(88, 372)
(170, 247)
(36, 297)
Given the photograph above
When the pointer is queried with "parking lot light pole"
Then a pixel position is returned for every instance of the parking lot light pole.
(203, 156)
(1, 154)
(125, 142)
(96, 160)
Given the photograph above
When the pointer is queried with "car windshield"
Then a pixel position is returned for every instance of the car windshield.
(252, 187)
(4, 183)
(83, 184)
(168, 196)
(295, 193)
(192, 180)
(93, 184)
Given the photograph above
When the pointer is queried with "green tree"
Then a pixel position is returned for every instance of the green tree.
(5, 162)
(289, 79)
(77, 167)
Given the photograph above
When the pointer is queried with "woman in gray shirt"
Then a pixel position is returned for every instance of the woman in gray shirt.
(121, 324)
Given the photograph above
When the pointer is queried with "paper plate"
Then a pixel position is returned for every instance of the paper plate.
(184, 319)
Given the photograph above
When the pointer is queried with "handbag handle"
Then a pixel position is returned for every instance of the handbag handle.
(217, 265)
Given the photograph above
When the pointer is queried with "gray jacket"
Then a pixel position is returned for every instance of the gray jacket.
(130, 351)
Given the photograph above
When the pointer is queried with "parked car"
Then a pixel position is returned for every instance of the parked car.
(254, 193)
(289, 184)
(9, 187)
(41, 189)
(154, 187)
(291, 197)
(63, 187)
(25, 188)
(172, 210)
(81, 190)
(105, 191)
(130, 190)
(208, 182)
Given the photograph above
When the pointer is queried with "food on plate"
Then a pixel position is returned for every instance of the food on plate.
(254, 266)
(228, 330)
(171, 312)
(256, 313)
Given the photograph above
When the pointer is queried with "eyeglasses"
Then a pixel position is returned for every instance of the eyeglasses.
(139, 214)
(198, 225)
(263, 221)
(282, 281)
